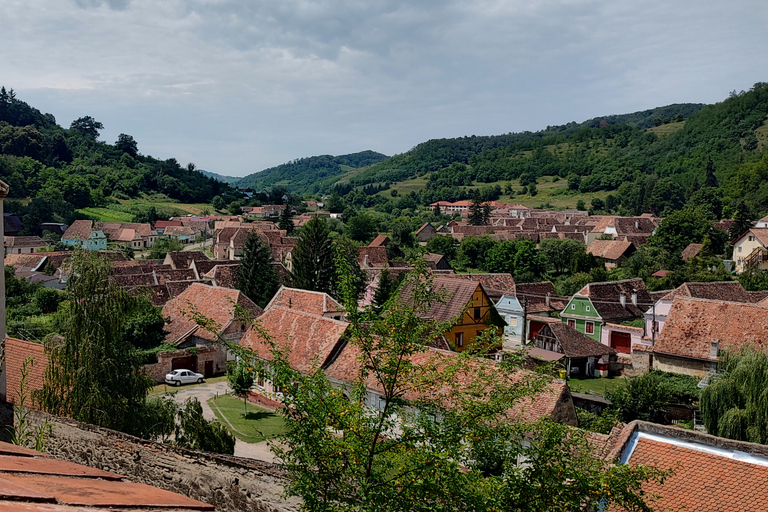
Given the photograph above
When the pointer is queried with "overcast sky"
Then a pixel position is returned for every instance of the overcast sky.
(237, 86)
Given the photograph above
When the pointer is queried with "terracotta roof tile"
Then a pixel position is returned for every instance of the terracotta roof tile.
(692, 326)
(572, 342)
(213, 302)
(78, 230)
(535, 296)
(731, 291)
(16, 352)
(691, 251)
(372, 256)
(456, 294)
(495, 285)
(607, 302)
(24, 241)
(610, 249)
(314, 303)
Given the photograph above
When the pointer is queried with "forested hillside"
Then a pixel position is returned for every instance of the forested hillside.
(61, 169)
(310, 175)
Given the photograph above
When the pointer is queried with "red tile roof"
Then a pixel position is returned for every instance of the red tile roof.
(572, 342)
(691, 251)
(213, 302)
(79, 230)
(730, 291)
(312, 341)
(31, 481)
(372, 256)
(314, 303)
(606, 298)
(692, 326)
(24, 241)
(455, 294)
(495, 285)
(535, 297)
(16, 352)
(609, 249)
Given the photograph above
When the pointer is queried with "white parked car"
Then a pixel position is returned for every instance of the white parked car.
(179, 377)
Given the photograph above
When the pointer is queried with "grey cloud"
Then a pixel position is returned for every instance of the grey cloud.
(117, 5)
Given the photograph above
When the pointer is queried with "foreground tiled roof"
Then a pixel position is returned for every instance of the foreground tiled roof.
(609, 249)
(692, 326)
(224, 275)
(314, 303)
(183, 259)
(710, 474)
(32, 481)
(16, 352)
(213, 302)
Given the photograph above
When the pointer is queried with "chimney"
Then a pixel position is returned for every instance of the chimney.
(623, 299)
(634, 298)
(546, 299)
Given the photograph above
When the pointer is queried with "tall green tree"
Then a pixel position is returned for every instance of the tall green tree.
(87, 126)
(313, 257)
(477, 215)
(127, 144)
(256, 276)
(286, 220)
(742, 221)
(94, 376)
(679, 229)
(445, 245)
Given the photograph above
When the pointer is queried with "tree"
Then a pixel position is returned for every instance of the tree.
(313, 257)
(679, 229)
(742, 221)
(580, 205)
(235, 207)
(361, 228)
(402, 233)
(430, 444)
(476, 213)
(94, 376)
(734, 405)
(387, 287)
(560, 255)
(532, 189)
(218, 203)
(163, 246)
(127, 144)
(240, 379)
(286, 219)
(194, 432)
(445, 245)
(87, 126)
(256, 276)
(646, 396)
(473, 251)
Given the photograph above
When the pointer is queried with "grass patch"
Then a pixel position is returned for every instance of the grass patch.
(252, 427)
(666, 129)
(596, 386)
(106, 215)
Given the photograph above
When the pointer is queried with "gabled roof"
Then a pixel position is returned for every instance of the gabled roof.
(380, 241)
(79, 230)
(691, 251)
(634, 225)
(24, 241)
(731, 291)
(455, 294)
(610, 250)
(183, 259)
(535, 297)
(212, 302)
(224, 275)
(760, 234)
(312, 341)
(495, 285)
(693, 325)
(434, 259)
(572, 342)
(606, 298)
(425, 227)
(372, 256)
(314, 303)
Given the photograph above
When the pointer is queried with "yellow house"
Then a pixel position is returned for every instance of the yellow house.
(751, 250)
(468, 302)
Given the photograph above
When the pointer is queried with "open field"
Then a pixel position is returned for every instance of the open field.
(596, 386)
(106, 214)
(666, 129)
(254, 426)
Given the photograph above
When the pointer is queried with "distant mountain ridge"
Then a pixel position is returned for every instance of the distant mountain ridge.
(232, 180)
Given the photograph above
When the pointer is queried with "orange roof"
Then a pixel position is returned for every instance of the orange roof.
(314, 303)
(16, 352)
(213, 302)
(32, 481)
(79, 230)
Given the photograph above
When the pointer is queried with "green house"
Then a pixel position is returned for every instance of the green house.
(599, 303)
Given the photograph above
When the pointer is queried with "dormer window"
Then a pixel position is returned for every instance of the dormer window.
(588, 310)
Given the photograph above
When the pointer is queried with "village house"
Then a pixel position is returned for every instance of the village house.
(135, 235)
(697, 330)
(425, 233)
(24, 244)
(209, 356)
(612, 252)
(599, 304)
(83, 234)
(436, 261)
(751, 250)
(580, 354)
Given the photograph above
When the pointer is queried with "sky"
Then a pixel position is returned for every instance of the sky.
(237, 86)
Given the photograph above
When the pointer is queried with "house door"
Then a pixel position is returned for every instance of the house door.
(208, 369)
(622, 342)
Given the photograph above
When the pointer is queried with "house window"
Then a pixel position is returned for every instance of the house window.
(477, 314)
(655, 326)
(572, 324)
(589, 328)
(459, 339)
(588, 310)
(751, 238)
(512, 321)
(739, 249)
(573, 306)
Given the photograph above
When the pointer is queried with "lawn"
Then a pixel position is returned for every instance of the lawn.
(596, 386)
(255, 426)
(106, 215)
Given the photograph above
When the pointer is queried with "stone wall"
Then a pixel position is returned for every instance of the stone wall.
(231, 484)
(681, 365)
